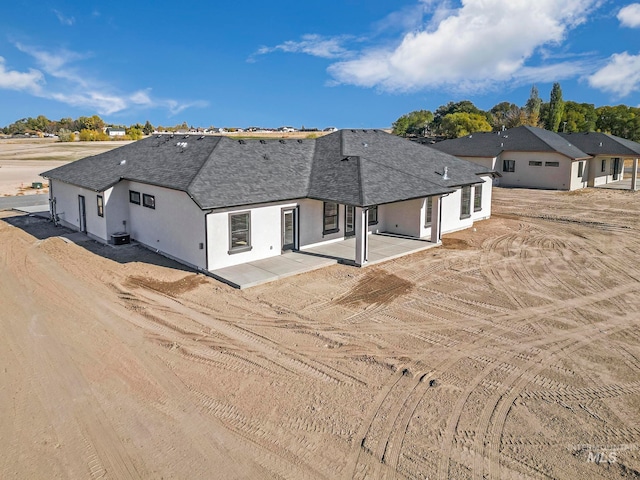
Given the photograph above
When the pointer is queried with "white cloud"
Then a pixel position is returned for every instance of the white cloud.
(629, 16)
(76, 87)
(315, 45)
(480, 44)
(63, 19)
(13, 80)
(621, 75)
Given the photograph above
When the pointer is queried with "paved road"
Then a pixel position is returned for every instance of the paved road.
(7, 203)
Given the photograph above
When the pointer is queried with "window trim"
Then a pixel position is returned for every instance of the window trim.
(145, 203)
(465, 209)
(100, 205)
(131, 200)
(428, 212)
(477, 197)
(370, 219)
(580, 169)
(325, 230)
(603, 165)
(240, 248)
(508, 166)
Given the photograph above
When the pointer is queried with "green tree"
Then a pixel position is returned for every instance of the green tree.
(507, 115)
(464, 106)
(65, 135)
(578, 117)
(148, 128)
(532, 107)
(621, 120)
(413, 123)
(556, 108)
(134, 132)
(459, 124)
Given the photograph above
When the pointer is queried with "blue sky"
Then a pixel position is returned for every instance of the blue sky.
(348, 63)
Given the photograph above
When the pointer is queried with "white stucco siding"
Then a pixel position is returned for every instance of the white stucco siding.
(175, 227)
(598, 176)
(68, 209)
(581, 181)
(450, 215)
(265, 234)
(403, 218)
(487, 194)
(527, 175)
(116, 208)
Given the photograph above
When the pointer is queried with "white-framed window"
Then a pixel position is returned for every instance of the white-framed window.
(239, 232)
(100, 202)
(580, 169)
(428, 212)
(465, 202)
(148, 201)
(509, 166)
(477, 197)
(330, 218)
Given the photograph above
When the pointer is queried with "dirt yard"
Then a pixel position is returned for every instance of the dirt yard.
(23, 160)
(511, 352)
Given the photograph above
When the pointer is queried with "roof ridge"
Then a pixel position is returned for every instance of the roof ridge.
(195, 175)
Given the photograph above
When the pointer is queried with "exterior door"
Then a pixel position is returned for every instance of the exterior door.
(349, 220)
(289, 229)
(616, 168)
(82, 214)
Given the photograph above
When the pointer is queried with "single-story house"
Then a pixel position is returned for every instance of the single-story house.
(608, 154)
(532, 157)
(115, 131)
(212, 201)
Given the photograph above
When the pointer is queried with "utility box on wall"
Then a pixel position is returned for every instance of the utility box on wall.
(120, 238)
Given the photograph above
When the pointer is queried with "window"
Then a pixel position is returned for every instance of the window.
(580, 169)
(465, 203)
(534, 163)
(551, 164)
(429, 211)
(239, 232)
(330, 224)
(508, 165)
(134, 197)
(603, 165)
(477, 198)
(373, 215)
(100, 206)
(148, 201)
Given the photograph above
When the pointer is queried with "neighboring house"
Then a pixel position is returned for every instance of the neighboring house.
(115, 132)
(527, 157)
(608, 154)
(212, 201)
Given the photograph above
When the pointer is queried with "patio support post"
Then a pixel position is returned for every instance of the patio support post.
(362, 242)
(634, 175)
(435, 219)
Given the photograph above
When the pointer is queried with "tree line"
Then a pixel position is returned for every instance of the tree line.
(457, 119)
(67, 129)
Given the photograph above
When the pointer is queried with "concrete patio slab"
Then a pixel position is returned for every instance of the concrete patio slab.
(381, 248)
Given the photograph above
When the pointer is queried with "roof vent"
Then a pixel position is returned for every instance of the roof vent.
(182, 144)
(200, 137)
(265, 156)
(470, 136)
(263, 141)
(241, 142)
(299, 141)
(123, 162)
(365, 145)
(186, 136)
(171, 136)
(600, 143)
(502, 144)
(364, 131)
(159, 136)
(445, 174)
(283, 141)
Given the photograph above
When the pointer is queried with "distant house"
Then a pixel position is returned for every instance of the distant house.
(213, 201)
(535, 158)
(608, 154)
(115, 132)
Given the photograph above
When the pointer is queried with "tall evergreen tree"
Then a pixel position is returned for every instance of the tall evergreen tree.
(556, 108)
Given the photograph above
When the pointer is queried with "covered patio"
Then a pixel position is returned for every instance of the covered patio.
(381, 248)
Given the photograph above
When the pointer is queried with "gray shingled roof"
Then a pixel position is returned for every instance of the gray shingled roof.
(355, 167)
(597, 143)
(519, 139)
